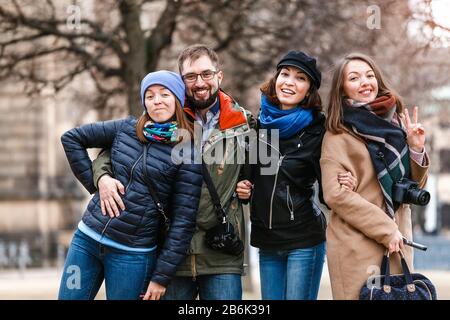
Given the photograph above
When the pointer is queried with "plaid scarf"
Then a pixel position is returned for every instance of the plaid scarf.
(377, 123)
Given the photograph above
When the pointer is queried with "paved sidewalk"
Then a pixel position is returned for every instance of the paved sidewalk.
(42, 284)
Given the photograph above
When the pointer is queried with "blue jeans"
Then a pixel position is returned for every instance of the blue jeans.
(208, 287)
(88, 263)
(291, 274)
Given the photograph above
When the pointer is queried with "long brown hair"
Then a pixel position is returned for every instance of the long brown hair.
(312, 101)
(180, 118)
(334, 111)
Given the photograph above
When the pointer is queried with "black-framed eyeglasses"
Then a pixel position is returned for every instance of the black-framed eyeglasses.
(206, 75)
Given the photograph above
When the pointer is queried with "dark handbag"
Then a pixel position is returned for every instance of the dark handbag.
(406, 286)
(221, 237)
(164, 221)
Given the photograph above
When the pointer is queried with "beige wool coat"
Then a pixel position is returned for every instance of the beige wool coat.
(359, 230)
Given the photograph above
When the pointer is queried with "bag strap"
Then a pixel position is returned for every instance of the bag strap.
(384, 263)
(406, 271)
(220, 211)
(152, 187)
(385, 270)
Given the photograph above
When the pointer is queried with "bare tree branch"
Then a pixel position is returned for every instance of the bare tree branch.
(52, 27)
(251, 35)
(161, 36)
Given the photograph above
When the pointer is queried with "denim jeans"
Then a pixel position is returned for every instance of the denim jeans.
(291, 274)
(88, 263)
(208, 287)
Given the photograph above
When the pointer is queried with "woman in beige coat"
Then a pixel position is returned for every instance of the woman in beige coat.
(368, 129)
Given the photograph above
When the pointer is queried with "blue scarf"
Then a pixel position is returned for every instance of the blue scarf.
(289, 122)
(160, 132)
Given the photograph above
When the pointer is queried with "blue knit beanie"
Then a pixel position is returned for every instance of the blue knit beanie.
(168, 79)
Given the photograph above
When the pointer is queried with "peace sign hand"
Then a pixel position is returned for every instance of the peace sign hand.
(415, 131)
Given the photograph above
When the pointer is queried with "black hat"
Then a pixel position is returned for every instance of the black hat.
(304, 62)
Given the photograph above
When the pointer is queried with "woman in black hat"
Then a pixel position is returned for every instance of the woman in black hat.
(287, 226)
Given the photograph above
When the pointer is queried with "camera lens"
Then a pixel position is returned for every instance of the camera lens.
(424, 198)
(418, 197)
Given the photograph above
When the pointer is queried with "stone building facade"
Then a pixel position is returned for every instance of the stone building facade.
(39, 197)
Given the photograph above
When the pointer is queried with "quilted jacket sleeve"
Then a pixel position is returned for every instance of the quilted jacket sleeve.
(184, 206)
(76, 142)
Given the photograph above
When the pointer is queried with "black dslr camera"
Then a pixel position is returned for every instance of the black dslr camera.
(223, 238)
(407, 191)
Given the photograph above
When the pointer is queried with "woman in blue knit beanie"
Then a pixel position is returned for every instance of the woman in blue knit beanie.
(121, 249)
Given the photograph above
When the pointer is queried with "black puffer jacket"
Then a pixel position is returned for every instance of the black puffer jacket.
(283, 213)
(178, 187)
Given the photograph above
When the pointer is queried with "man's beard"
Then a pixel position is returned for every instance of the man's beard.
(200, 105)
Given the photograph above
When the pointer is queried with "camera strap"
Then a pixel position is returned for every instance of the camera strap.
(220, 211)
(152, 187)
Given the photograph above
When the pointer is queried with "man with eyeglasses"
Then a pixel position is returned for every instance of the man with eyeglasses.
(205, 273)
(202, 80)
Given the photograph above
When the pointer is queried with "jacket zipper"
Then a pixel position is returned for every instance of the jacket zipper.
(132, 169)
(273, 190)
(126, 188)
(193, 269)
(276, 176)
(290, 203)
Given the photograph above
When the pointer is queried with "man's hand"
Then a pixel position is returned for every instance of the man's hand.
(108, 188)
(154, 291)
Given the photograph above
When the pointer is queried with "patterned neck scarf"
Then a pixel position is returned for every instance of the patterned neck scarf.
(161, 132)
(382, 106)
(377, 124)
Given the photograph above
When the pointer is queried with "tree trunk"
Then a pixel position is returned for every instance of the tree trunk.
(134, 64)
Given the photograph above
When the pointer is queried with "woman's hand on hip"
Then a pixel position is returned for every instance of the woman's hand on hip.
(244, 189)
(110, 199)
(154, 291)
(415, 131)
